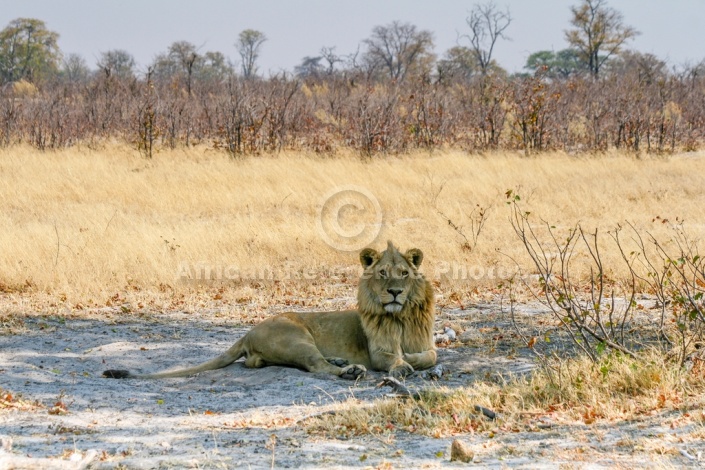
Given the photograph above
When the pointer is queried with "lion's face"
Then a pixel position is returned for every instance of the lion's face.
(390, 280)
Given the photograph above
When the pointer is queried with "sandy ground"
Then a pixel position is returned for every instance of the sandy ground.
(243, 418)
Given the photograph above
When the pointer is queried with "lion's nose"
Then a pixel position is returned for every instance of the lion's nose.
(395, 291)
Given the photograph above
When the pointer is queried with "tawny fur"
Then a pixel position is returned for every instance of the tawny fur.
(391, 330)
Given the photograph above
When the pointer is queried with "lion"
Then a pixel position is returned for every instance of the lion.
(391, 330)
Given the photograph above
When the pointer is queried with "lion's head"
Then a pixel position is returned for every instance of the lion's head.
(391, 283)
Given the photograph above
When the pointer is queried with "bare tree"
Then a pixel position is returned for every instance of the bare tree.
(487, 24)
(599, 33)
(74, 69)
(117, 63)
(328, 54)
(248, 45)
(398, 48)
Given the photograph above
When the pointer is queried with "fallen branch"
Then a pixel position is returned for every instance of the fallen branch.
(486, 412)
(399, 388)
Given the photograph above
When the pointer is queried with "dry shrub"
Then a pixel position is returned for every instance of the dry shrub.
(352, 111)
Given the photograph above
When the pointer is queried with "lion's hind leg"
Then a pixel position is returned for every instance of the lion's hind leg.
(353, 372)
(350, 372)
(287, 342)
(311, 359)
(254, 361)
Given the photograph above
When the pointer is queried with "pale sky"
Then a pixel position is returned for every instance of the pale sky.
(673, 30)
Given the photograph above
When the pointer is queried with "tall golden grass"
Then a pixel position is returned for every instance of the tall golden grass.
(87, 224)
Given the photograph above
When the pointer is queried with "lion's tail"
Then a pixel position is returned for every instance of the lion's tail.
(235, 352)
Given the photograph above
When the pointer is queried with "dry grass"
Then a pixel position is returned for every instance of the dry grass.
(87, 226)
(615, 390)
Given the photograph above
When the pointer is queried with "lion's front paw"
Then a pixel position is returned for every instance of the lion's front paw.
(401, 371)
(338, 361)
(353, 372)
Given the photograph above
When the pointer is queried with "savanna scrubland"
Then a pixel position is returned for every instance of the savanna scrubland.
(105, 240)
(145, 217)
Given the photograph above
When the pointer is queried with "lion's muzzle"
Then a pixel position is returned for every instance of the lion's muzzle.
(394, 300)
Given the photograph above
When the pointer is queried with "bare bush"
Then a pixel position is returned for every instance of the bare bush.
(595, 317)
(674, 272)
(597, 312)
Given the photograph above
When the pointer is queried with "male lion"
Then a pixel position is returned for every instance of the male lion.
(392, 329)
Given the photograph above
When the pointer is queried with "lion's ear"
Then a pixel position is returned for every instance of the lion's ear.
(368, 256)
(414, 256)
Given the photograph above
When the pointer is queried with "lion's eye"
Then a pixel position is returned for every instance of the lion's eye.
(405, 273)
(383, 273)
